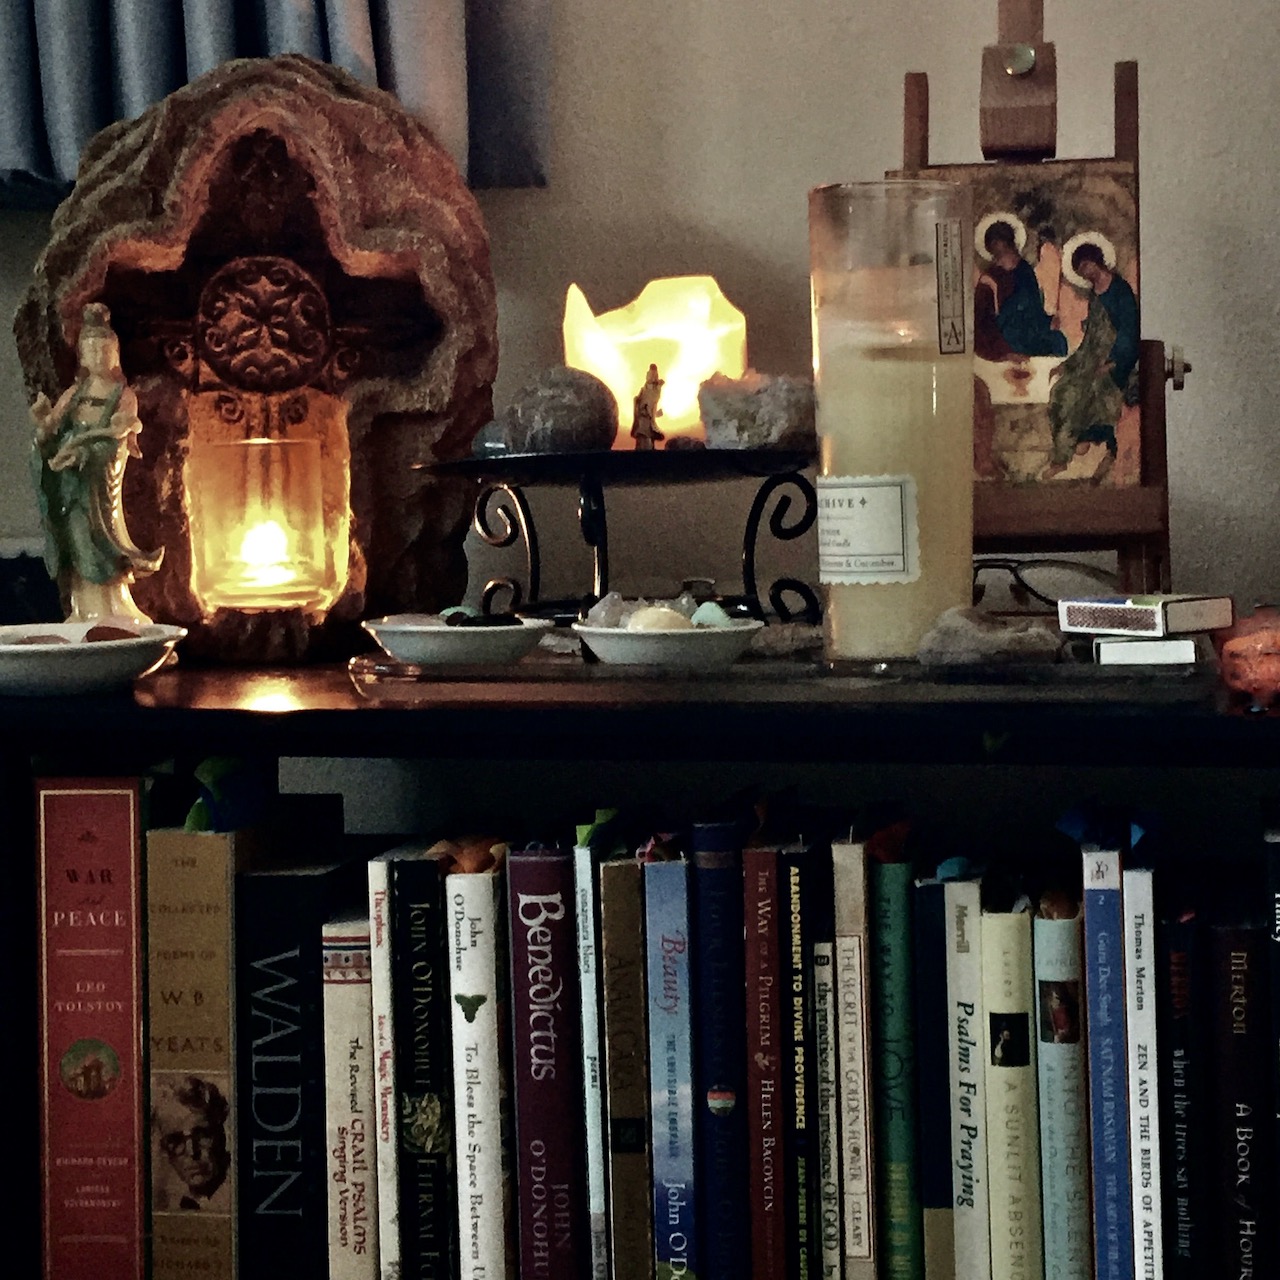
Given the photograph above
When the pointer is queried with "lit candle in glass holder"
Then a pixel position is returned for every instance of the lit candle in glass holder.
(257, 525)
(682, 324)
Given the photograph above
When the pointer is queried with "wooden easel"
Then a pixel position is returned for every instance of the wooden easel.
(1018, 121)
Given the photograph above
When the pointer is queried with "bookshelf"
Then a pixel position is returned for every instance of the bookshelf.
(1151, 740)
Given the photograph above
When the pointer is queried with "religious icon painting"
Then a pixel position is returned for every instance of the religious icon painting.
(1056, 327)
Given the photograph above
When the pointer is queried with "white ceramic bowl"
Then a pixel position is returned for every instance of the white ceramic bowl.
(424, 640)
(686, 649)
(80, 666)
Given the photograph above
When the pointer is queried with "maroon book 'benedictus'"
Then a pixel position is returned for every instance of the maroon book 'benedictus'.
(91, 1017)
(546, 1063)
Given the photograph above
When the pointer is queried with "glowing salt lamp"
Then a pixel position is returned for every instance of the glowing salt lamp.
(682, 324)
(257, 526)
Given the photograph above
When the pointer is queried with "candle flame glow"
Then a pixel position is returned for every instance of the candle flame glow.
(264, 552)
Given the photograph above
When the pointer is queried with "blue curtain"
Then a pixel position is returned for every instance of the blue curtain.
(476, 71)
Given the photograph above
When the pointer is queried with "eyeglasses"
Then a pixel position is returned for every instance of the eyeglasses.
(1042, 580)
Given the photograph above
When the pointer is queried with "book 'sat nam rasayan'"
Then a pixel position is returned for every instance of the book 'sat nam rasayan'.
(1108, 1055)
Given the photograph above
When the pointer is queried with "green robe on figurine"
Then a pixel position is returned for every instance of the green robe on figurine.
(82, 444)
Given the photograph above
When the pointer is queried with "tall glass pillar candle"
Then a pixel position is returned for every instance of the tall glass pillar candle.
(892, 295)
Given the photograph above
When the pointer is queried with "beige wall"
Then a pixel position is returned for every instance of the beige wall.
(686, 136)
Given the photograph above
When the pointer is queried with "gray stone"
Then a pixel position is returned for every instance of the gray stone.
(562, 410)
(758, 411)
(969, 636)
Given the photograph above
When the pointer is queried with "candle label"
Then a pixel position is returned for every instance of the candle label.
(867, 530)
(951, 288)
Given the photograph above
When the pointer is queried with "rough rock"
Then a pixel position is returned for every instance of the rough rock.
(562, 410)
(969, 636)
(758, 411)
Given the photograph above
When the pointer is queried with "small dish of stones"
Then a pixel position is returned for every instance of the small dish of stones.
(456, 637)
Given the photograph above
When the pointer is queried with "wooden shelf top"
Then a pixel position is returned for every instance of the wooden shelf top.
(766, 710)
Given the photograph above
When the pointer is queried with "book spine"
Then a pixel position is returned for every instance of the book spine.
(1106, 1039)
(853, 1001)
(894, 1072)
(283, 1206)
(190, 880)
(477, 998)
(545, 1066)
(1064, 1100)
(828, 1074)
(585, 915)
(767, 1175)
(796, 873)
(720, 1096)
(667, 948)
(932, 1078)
(1240, 1118)
(1181, 1041)
(384, 1062)
(1271, 857)
(967, 1080)
(1013, 1119)
(626, 1068)
(349, 1102)
(1138, 900)
(424, 1070)
(91, 1019)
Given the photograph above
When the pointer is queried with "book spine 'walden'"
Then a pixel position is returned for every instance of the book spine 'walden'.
(424, 1069)
(1108, 1098)
(349, 1101)
(1013, 1119)
(626, 1071)
(385, 1132)
(190, 895)
(477, 996)
(91, 1020)
(545, 1065)
(283, 1204)
(971, 1225)
(667, 947)
(1144, 1106)
(766, 1169)
(1182, 1045)
(1064, 1100)
(853, 1094)
(894, 1077)
(585, 903)
(720, 1097)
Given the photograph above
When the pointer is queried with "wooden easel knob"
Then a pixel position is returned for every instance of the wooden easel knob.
(1018, 105)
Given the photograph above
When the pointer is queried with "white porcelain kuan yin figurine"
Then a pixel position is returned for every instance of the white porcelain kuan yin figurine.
(82, 444)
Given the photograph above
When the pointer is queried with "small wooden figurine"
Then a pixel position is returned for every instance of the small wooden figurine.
(644, 424)
(82, 444)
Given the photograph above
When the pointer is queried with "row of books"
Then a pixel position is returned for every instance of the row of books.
(708, 1054)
